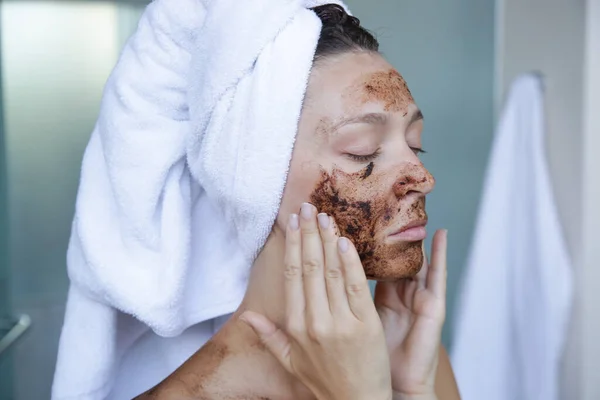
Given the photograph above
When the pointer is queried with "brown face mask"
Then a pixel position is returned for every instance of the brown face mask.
(386, 87)
(367, 206)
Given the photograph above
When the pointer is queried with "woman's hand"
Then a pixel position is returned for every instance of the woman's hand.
(333, 340)
(412, 312)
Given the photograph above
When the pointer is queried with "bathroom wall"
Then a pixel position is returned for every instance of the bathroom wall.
(561, 39)
(552, 42)
(56, 57)
(445, 50)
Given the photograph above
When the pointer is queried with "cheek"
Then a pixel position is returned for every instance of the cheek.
(301, 180)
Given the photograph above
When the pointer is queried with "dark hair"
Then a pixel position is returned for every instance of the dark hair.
(341, 33)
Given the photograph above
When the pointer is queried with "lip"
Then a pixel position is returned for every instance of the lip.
(412, 232)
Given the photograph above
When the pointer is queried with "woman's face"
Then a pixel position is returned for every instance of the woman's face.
(356, 159)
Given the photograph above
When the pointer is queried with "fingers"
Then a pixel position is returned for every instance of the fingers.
(273, 338)
(357, 287)
(313, 262)
(324, 274)
(294, 288)
(436, 277)
(334, 277)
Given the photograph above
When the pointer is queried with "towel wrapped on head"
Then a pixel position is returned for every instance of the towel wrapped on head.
(183, 175)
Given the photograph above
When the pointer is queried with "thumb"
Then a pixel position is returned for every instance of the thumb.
(272, 337)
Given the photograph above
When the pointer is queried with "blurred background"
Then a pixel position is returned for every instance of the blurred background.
(458, 56)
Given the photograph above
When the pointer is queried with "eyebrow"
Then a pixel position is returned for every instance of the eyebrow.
(375, 119)
(370, 118)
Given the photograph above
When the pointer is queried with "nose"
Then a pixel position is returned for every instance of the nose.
(414, 178)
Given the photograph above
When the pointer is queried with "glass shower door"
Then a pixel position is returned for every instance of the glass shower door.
(55, 58)
(5, 362)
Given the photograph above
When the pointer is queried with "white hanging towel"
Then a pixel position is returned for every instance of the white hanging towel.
(513, 311)
(180, 185)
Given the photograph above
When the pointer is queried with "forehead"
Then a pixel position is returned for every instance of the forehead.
(385, 87)
(355, 81)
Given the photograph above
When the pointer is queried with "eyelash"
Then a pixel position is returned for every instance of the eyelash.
(370, 157)
(364, 159)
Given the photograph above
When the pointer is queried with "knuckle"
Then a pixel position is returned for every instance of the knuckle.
(311, 230)
(318, 332)
(355, 289)
(334, 273)
(311, 265)
(292, 271)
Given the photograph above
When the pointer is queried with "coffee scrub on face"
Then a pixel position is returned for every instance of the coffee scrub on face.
(365, 213)
(386, 87)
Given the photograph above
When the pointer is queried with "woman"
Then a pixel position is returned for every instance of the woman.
(355, 173)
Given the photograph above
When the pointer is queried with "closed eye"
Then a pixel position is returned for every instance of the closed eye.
(363, 158)
(418, 150)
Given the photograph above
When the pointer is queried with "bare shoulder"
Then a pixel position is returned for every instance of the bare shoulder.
(445, 382)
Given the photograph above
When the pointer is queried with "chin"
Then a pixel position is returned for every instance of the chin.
(394, 262)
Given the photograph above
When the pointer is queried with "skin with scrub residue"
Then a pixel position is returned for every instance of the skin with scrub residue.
(210, 380)
(202, 381)
(365, 214)
(213, 354)
(386, 87)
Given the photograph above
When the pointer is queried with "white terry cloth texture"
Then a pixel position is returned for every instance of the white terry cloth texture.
(180, 184)
(515, 303)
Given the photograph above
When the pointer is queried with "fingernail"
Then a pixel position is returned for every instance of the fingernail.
(343, 244)
(306, 211)
(323, 220)
(293, 223)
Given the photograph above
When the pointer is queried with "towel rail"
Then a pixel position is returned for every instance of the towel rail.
(12, 329)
